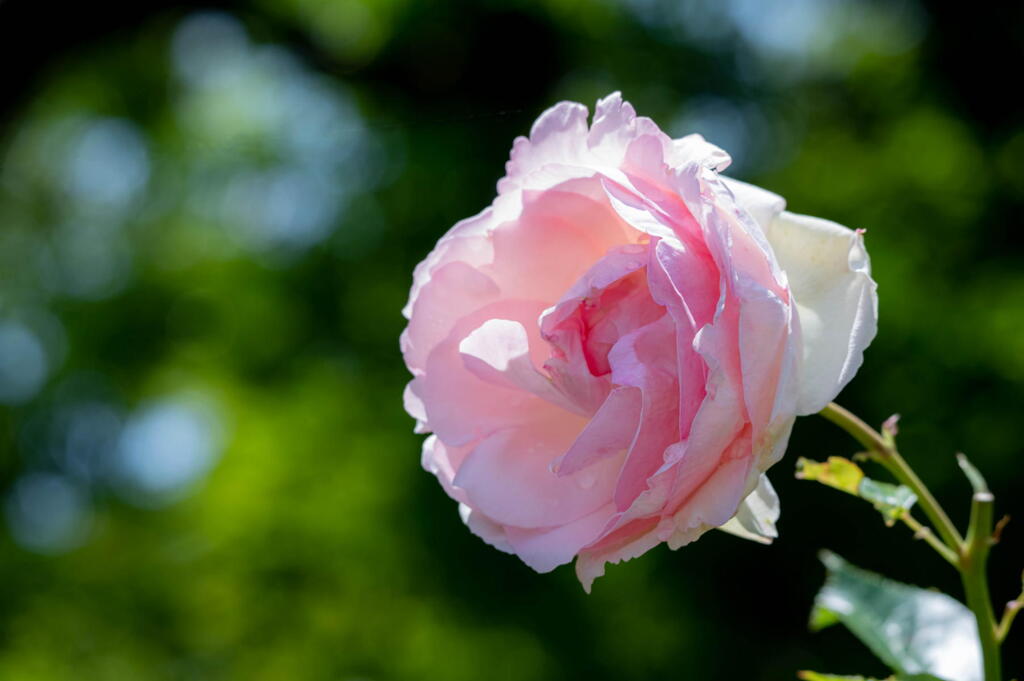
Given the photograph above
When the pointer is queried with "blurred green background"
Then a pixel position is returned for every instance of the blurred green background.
(208, 219)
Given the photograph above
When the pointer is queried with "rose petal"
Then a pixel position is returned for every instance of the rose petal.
(443, 461)
(485, 528)
(462, 408)
(545, 549)
(757, 515)
(639, 360)
(464, 242)
(695, 149)
(558, 136)
(715, 501)
(499, 352)
(508, 475)
(454, 290)
(830, 277)
(626, 543)
(761, 204)
(414, 407)
(560, 234)
(608, 433)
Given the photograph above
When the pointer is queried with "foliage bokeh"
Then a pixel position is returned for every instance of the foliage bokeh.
(208, 221)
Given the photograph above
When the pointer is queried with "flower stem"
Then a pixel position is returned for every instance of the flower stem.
(888, 456)
(973, 559)
(971, 555)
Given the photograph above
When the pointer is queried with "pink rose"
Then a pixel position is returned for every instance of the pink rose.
(613, 353)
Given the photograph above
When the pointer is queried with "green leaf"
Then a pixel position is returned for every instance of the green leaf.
(822, 618)
(891, 500)
(837, 472)
(912, 630)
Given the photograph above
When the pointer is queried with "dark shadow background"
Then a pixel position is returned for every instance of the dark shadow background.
(208, 219)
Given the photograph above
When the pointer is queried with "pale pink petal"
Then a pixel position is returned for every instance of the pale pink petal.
(464, 242)
(455, 289)
(414, 406)
(714, 502)
(508, 476)
(460, 406)
(719, 420)
(558, 136)
(499, 352)
(685, 280)
(639, 360)
(544, 549)
(638, 212)
(610, 432)
(613, 128)
(443, 461)
(765, 340)
(558, 237)
(695, 149)
(579, 341)
(626, 543)
(735, 240)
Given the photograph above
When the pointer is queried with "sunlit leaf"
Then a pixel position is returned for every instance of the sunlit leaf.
(912, 630)
(891, 500)
(837, 472)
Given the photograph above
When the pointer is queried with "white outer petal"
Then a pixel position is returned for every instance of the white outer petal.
(830, 277)
(756, 517)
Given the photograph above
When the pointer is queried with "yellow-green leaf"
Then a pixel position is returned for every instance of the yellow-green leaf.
(892, 501)
(837, 472)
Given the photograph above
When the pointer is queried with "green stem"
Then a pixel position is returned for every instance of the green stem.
(973, 559)
(972, 571)
(925, 533)
(972, 553)
(888, 456)
(1012, 608)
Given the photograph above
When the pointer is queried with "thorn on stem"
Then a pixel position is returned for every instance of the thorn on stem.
(997, 533)
(891, 425)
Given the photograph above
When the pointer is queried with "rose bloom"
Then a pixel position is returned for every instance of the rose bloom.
(613, 353)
